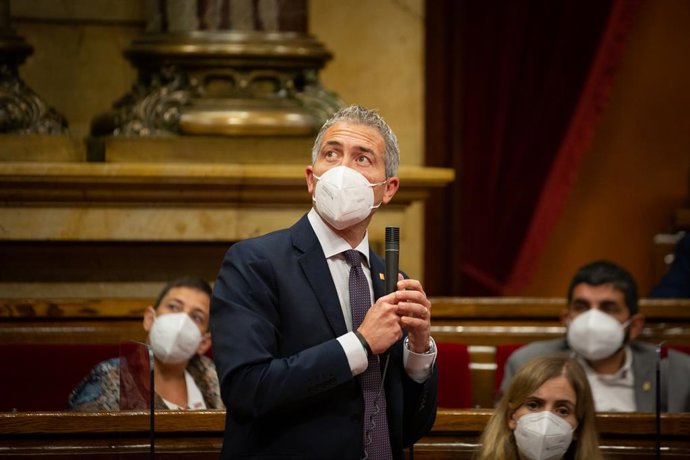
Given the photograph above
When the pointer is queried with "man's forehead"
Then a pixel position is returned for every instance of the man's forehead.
(353, 133)
(600, 292)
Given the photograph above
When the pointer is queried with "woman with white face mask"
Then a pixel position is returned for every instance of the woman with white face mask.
(547, 413)
(177, 326)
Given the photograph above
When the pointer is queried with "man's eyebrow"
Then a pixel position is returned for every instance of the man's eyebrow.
(361, 148)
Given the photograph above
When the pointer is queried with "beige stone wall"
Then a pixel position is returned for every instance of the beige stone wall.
(379, 61)
(78, 67)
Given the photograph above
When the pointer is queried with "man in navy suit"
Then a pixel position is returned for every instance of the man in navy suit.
(287, 356)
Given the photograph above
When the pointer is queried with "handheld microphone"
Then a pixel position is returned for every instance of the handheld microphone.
(392, 253)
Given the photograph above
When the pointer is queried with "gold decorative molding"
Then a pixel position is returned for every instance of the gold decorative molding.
(175, 183)
(204, 69)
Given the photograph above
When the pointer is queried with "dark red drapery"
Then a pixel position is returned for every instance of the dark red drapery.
(514, 89)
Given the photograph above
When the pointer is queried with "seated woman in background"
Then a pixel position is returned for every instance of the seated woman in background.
(184, 378)
(547, 413)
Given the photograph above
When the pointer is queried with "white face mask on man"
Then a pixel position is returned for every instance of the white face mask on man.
(596, 335)
(542, 436)
(344, 197)
(174, 337)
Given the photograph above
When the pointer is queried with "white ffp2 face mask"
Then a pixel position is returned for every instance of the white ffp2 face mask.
(174, 337)
(344, 197)
(595, 335)
(542, 436)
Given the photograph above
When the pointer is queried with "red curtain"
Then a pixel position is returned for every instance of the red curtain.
(514, 90)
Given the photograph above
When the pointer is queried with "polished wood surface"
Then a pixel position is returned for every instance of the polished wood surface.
(199, 434)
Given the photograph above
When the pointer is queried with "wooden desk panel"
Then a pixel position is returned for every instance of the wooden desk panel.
(199, 435)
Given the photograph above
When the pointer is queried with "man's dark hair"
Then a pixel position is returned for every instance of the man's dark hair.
(606, 272)
(187, 282)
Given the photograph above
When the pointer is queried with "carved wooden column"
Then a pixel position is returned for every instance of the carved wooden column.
(228, 67)
(21, 110)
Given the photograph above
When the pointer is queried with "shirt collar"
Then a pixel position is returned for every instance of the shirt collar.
(333, 244)
(623, 374)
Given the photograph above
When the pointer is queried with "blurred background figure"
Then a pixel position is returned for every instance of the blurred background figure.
(603, 322)
(547, 413)
(177, 326)
(676, 281)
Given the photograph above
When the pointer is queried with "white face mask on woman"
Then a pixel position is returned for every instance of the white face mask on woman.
(542, 436)
(344, 197)
(596, 335)
(174, 337)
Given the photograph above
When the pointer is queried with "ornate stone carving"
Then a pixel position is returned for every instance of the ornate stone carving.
(213, 74)
(21, 110)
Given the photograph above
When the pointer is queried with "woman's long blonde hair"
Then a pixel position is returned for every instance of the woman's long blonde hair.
(497, 441)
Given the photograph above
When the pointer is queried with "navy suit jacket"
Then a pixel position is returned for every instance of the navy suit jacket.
(285, 379)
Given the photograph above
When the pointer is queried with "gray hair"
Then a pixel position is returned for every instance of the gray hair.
(363, 116)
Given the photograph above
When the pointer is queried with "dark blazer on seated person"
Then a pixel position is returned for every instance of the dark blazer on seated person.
(676, 282)
(675, 373)
(284, 377)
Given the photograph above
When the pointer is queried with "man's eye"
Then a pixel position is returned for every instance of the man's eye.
(580, 307)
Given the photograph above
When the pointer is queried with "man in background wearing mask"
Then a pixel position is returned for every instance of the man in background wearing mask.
(177, 326)
(302, 373)
(603, 321)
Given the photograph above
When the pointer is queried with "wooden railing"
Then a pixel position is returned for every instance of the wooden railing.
(199, 435)
(481, 323)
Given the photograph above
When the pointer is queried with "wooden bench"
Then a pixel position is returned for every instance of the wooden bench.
(482, 324)
(116, 435)
(488, 323)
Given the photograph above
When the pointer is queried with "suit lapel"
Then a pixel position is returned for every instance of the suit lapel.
(644, 370)
(315, 269)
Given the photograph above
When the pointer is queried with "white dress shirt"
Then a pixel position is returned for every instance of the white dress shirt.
(418, 366)
(195, 400)
(613, 392)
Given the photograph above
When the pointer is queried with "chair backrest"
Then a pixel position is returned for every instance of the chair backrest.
(40, 377)
(503, 352)
(678, 347)
(455, 381)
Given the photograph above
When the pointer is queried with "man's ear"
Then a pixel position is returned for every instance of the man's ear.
(149, 316)
(309, 176)
(636, 325)
(392, 185)
(565, 316)
(205, 344)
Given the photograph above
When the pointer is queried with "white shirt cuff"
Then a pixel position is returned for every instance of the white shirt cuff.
(355, 352)
(419, 365)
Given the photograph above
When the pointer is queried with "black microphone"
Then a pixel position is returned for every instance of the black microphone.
(392, 252)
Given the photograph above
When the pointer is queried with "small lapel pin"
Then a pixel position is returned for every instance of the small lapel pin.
(381, 277)
(646, 386)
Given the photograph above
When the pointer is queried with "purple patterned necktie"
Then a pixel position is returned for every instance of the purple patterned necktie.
(376, 438)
